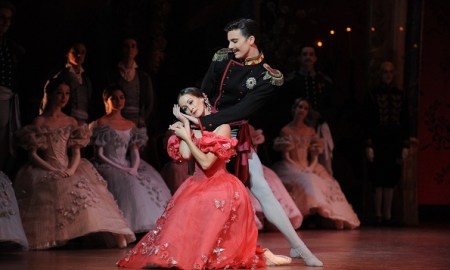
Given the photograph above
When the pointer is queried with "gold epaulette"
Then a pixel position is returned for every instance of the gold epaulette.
(221, 54)
(275, 76)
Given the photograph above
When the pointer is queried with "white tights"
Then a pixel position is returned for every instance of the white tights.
(270, 205)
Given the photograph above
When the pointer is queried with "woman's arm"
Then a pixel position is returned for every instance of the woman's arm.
(315, 148)
(206, 160)
(74, 161)
(38, 161)
(102, 157)
(188, 147)
(135, 160)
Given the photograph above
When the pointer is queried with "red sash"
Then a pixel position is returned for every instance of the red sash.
(243, 149)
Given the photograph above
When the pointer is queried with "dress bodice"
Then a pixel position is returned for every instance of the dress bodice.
(56, 153)
(299, 145)
(52, 143)
(117, 151)
(116, 142)
(221, 146)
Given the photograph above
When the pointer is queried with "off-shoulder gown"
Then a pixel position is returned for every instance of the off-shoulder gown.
(209, 223)
(142, 198)
(11, 229)
(56, 209)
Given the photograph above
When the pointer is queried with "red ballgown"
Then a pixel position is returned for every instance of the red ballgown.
(209, 223)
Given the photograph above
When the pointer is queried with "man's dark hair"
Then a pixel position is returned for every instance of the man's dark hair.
(248, 28)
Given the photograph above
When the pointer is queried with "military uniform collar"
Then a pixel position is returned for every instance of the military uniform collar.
(304, 72)
(254, 60)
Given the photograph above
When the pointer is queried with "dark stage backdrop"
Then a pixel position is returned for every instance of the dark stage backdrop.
(178, 39)
(434, 107)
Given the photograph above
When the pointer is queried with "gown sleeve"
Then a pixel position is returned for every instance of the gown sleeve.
(31, 137)
(173, 148)
(101, 135)
(139, 136)
(221, 146)
(80, 136)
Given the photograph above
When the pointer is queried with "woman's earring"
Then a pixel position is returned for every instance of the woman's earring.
(206, 101)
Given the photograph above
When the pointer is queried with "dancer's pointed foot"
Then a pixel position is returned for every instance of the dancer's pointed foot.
(272, 259)
(307, 256)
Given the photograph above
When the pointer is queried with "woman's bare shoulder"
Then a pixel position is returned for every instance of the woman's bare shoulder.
(223, 130)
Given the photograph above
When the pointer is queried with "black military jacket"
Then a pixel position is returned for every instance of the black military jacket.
(237, 89)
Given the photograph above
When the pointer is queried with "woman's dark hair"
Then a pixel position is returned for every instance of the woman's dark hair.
(49, 88)
(196, 92)
(248, 28)
(109, 90)
(309, 119)
(53, 84)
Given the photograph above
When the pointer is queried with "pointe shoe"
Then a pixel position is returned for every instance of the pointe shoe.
(121, 241)
(307, 256)
(272, 259)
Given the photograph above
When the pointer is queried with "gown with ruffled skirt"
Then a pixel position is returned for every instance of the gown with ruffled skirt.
(175, 173)
(209, 223)
(316, 191)
(56, 209)
(142, 198)
(11, 229)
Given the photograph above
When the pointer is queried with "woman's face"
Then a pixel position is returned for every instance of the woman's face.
(77, 54)
(116, 101)
(61, 95)
(192, 105)
(302, 109)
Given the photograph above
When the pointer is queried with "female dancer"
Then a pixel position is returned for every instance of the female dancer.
(139, 189)
(212, 207)
(62, 196)
(314, 190)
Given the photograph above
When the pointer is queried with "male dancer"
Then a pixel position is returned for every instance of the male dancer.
(239, 86)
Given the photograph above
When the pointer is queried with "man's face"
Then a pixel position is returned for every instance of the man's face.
(308, 57)
(239, 44)
(77, 54)
(129, 49)
(387, 73)
(5, 20)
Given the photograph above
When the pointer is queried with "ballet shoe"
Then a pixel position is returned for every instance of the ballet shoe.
(272, 259)
(307, 256)
(121, 241)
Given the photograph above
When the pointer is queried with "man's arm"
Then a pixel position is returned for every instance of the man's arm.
(246, 107)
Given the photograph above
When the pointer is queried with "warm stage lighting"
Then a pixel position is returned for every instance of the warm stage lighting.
(331, 32)
(319, 44)
(372, 29)
(348, 29)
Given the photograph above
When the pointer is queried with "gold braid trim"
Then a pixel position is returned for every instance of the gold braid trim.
(221, 55)
(275, 76)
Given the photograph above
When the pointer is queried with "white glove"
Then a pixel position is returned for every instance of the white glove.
(405, 153)
(369, 153)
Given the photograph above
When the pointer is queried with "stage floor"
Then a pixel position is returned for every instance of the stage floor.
(422, 247)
